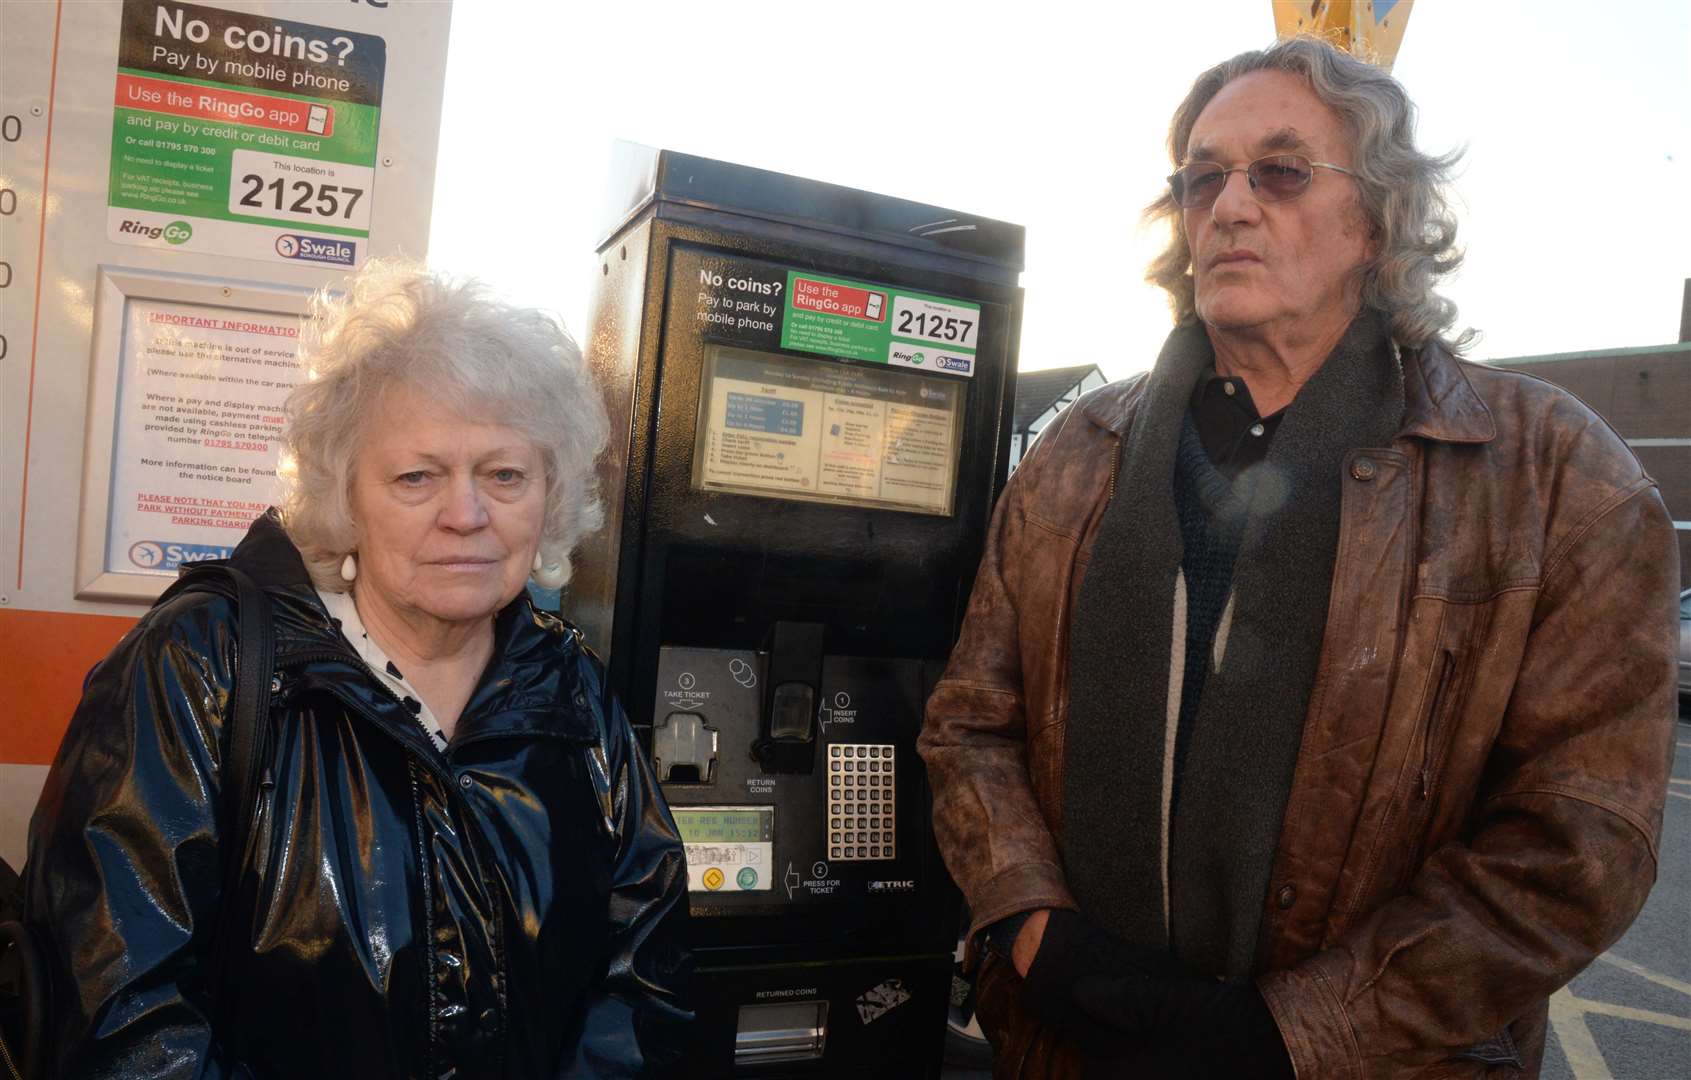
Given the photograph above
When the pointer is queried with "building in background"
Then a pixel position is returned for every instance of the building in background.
(1041, 395)
(1645, 393)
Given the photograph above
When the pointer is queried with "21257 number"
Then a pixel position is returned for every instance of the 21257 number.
(934, 327)
(323, 200)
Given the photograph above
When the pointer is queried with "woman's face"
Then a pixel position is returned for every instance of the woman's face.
(449, 510)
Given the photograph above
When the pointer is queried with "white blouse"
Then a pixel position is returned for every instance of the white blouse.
(345, 613)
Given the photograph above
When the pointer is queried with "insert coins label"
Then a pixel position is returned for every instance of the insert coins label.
(236, 134)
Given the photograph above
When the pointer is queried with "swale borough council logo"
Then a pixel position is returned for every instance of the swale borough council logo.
(146, 554)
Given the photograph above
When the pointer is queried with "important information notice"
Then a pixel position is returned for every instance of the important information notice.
(772, 424)
(238, 134)
(199, 419)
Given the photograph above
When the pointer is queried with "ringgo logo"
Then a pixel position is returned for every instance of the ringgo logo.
(906, 356)
(177, 232)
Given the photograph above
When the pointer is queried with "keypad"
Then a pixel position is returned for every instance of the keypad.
(860, 801)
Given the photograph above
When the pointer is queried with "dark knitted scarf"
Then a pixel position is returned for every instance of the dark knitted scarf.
(1212, 511)
(1192, 877)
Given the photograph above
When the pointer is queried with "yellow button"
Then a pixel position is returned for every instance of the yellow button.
(713, 878)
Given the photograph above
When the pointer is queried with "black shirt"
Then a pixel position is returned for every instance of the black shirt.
(1234, 434)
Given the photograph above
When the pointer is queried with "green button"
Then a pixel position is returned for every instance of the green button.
(747, 877)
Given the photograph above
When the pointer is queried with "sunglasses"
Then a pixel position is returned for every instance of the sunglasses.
(1275, 178)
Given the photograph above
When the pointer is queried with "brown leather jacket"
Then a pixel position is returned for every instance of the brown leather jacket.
(1478, 794)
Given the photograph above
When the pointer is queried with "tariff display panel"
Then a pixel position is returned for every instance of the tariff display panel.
(829, 432)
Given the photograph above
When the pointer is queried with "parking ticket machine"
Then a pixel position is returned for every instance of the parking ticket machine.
(809, 390)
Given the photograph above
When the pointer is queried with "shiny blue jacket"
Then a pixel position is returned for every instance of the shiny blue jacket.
(504, 909)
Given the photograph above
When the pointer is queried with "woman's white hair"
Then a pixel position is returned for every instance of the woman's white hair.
(1401, 190)
(398, 323)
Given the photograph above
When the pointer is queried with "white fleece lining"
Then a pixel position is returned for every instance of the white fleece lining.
(1171, 726)
(1221, 633)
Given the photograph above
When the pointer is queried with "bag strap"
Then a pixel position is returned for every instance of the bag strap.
(255, 660)
(25, 1059)
(254, 675)
(247, 740)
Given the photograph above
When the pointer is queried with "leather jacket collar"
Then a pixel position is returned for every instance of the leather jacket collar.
(1440, 404)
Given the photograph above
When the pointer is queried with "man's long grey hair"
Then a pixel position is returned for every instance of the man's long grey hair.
(1401, 189)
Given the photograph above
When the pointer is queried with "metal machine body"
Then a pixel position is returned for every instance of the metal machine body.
(810, 391)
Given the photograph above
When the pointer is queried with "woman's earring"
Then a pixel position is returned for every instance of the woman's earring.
(349, 567)
(537, 562)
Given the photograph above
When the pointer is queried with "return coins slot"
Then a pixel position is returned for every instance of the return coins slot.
(790, 1031)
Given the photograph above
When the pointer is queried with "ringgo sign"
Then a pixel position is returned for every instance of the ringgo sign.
(258, 133)
(861, 321)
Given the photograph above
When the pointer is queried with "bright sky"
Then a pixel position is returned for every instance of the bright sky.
(1573, 195)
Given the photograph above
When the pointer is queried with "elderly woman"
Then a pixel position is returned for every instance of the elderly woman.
(459, 864)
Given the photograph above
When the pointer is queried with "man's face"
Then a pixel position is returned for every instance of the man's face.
(1285, 266)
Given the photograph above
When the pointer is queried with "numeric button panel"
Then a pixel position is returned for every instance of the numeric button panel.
(860, 799)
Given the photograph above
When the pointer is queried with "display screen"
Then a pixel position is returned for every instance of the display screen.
(748, 825)
(825, 431)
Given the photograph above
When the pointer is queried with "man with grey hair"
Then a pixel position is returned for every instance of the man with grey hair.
(1314, 705)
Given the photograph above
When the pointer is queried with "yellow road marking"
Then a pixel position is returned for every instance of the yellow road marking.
(1567, 1018)
(1627, 1012)
(1677, 780)
(1568, 1013)
(1645, 973)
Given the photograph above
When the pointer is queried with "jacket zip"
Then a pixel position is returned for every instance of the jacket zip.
(11, 1066)
(430, 761)
(1115, 467)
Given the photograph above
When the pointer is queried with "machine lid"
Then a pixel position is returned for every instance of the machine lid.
(641, 176)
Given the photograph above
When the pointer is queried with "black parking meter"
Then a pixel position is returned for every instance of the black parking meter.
(810, 391)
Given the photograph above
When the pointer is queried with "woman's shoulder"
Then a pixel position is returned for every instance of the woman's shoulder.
(170, 673)
(196, 622)
(583, 682)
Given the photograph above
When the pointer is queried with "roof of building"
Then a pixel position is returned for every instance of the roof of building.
(1037, 391)
(1635, 350)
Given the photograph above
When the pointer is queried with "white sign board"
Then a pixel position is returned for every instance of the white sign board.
(199, 412)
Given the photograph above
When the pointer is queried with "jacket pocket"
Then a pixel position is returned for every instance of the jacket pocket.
(1433, 745)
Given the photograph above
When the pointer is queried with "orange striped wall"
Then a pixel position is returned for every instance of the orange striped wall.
(45, 655)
